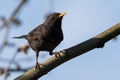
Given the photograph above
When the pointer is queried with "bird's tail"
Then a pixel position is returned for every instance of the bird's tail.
(23, 36)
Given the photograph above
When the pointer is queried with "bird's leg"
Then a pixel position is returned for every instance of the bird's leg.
(51, 52)
(37, 64)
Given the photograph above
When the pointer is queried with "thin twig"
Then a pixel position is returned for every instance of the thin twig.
(7, 23)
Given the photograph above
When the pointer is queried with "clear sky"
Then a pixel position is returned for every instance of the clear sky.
(84, 19)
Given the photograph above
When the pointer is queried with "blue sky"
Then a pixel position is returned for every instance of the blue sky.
(84, 19)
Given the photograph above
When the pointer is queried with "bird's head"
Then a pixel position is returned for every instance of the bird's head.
(55, 18)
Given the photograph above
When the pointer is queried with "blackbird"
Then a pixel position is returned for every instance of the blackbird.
(47, 36)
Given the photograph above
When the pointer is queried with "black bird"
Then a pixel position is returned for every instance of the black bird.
(47, 36)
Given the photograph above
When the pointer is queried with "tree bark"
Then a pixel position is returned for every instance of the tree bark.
(96, 42)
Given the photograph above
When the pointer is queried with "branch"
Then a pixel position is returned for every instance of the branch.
(6, 24)
(4, 70)
(72, 52)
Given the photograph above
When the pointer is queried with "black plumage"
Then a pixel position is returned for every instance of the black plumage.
(47, 36)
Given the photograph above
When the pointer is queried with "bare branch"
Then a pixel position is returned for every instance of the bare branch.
(7, 22)
(18, 8)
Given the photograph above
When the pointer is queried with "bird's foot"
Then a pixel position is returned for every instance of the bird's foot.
(57, 54)
(37, 66)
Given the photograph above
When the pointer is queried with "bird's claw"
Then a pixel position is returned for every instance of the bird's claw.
(37, 66)
(57, 55)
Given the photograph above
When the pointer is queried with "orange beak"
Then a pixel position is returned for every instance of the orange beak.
(62, 14)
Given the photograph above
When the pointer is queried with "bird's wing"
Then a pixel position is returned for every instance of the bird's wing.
(35, 33)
